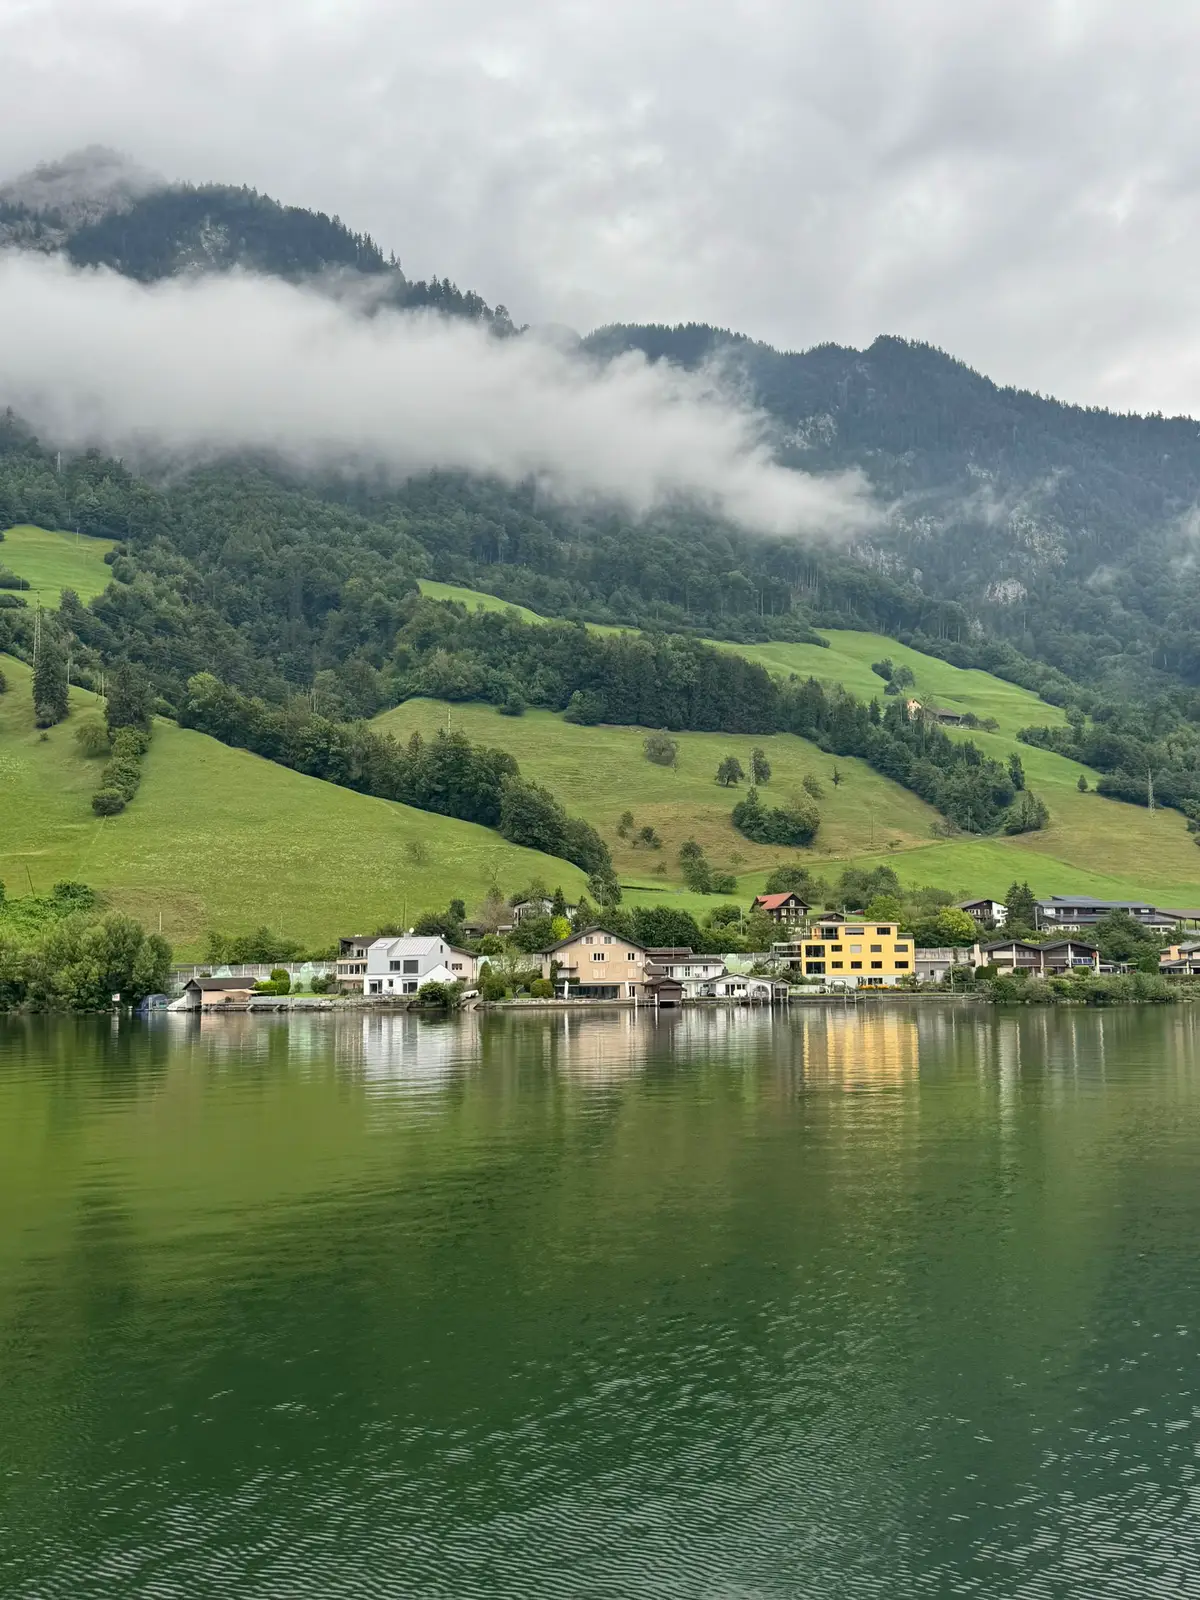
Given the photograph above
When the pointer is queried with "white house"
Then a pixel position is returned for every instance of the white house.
(680, 963)
(400, 966)
(987, 913)
(736, 986)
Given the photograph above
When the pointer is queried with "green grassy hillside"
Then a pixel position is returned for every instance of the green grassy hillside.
(56, 561)
(1092, 845)
(220, 838)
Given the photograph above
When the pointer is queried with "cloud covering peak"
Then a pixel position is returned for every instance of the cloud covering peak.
(232, 362)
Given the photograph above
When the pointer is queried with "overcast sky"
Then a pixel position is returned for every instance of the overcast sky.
(1015, 181)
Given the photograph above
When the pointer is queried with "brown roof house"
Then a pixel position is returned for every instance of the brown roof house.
(782, 907)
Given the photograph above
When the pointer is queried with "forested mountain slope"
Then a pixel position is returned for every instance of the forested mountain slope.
(1070, 531)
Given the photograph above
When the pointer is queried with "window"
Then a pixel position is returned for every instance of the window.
(589, 940)
(875, 964)
(853, 931)
(456, 966)
(901, 949)
(902, 966)
(855, 966)
(597, 955)
(836, 947)
(876, 949)
(814, 950)
(632, 956)
(608, 938)
(393, 966)
(409, 988)
(837, 965)
(829, 933)
(884, 931)
(412, 966)
(814, 969)
(856, 949)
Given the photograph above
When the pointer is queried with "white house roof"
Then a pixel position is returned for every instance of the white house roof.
(416, 945)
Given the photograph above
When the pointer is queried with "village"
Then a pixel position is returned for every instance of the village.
(816, 955)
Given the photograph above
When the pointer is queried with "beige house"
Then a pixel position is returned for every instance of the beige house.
(596, 965)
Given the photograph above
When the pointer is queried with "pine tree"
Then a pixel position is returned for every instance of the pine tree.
(49, 683)
(129, 698)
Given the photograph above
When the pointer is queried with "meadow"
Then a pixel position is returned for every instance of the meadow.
(1092, 845)
(54, 561)
(219, 838)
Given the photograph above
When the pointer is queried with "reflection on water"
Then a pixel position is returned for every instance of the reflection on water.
(876, 1300)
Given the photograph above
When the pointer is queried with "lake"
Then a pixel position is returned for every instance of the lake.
(887, 1301)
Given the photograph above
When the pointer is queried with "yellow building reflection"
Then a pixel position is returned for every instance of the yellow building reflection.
(859, 1048)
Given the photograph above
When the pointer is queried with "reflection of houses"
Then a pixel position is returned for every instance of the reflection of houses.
(860, 1047)
(400, 966)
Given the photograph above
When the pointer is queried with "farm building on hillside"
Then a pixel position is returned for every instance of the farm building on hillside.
(788, 907)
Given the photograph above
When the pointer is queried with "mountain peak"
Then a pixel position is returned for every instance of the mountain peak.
(83, 186)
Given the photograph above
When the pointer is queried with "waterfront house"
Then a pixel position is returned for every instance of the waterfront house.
(214, 994)
(351, 966)
(788, 908)
(680, 962)
(1050, 960)
(740, 986)
(595, 964)
(935, 962)
(399, 966)
(851, 952)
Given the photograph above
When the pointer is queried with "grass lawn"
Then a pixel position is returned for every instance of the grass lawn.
(221, 838)
(55, 561)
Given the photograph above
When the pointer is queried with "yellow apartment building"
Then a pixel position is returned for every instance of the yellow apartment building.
(850, 951)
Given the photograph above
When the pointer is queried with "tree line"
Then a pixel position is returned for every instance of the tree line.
(446, 774)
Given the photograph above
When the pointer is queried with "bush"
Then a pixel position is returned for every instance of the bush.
(661, 748)
(3, 683)
(122, 774)
(445, 996)
(91, 735)
(514, 706)
(794, 824)
(323, 983)
(107, 802)
(10, 580)
(491, 985)
(130, 743)
(542, 989)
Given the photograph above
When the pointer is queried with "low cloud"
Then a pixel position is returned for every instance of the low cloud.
(215, 363)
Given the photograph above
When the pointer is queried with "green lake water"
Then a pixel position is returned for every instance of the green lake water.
(895, 1302)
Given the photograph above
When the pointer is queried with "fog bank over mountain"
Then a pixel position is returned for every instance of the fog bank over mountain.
(234, 362)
